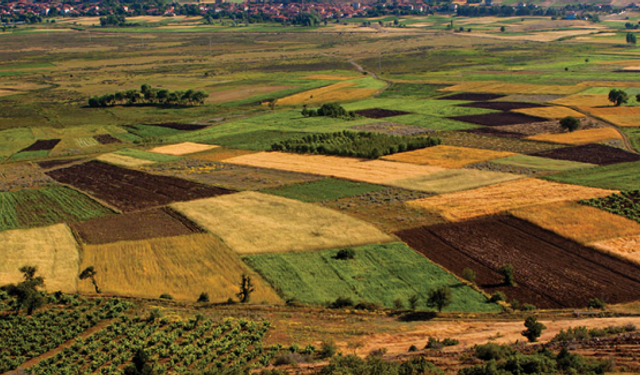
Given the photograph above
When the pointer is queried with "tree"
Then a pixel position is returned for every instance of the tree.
(469, 275)
(507, 273)
(26, 293)
(413, 301)
(502, 29)
(90, 273)
(631, 38)
(570, 123)
(139, 364)
(246, 288)
(346, 254)
(618, 97)
(440, 297)
(534, 329)
(203, 298)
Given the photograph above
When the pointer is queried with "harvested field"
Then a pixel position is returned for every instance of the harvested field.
(628, 247)
(130, 190)
(372, 171)
(377, 113)
(252, 222)
(471, 96)
(498, 119)
(510, 195)
(511, 88)
(592, 154)
(538, 163)
(392, 129)
(486, 142)
(451, 180)
(495, 132)
(106, 139)
(540, 260)
(337, 92)
(123, 160)
(182, 266)
(554, 112)
(549, 127)
(583, 100)
(632, 121)
(447, 156)
(578, 222)
(52, 249)
(623, 176)
(221, 154)
(501, 106)
(621, 116)
(21, 176)
(42, 145)
(580, 137)
(179, 126)
(143, 225)
(182, 148)
(327, 189)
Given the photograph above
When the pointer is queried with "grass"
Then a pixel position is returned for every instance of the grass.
(32, 208)
(539, 163)
(183, 267)
(378, 273)
(623, 176)
(328, 189)
(634, 137)
(624, 204)
(256, 140)
(251, 222)
(150, 131)
(419, 90)
(29, 155)
(144, 155)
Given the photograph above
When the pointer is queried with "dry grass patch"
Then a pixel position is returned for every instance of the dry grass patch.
(628, 247)
(251, 222)
(52, 249)
(512, 88)
(583, 100)
(581, 223)
(510, 195)
(329, 77)
(337, 92)
(550, 112)
(221, 154)
(123, 160)
(372, 171)
(621, 116)
(182, 266)
(580, 137)
(447, 156)
(182, 148)
(452, 180)
(243, 92)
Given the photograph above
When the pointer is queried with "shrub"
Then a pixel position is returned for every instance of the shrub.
(469, 275)
(413, 301)
(596, 303)
(345, 254)
(203, 298)
(507, 273)
(570, 123)
(534, 329)
(440, 297)
(528, 307)
(398, 304)
(327, 349)
(497, 297)
(371, 306)
(413, 348)
(288, 359)
(341, 302)
(166, 296)
(491, 351)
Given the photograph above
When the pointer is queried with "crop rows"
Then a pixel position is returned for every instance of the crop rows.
(626, 204)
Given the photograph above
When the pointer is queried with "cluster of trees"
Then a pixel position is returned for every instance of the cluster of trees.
(631, 38)
(150, 96)
(619, 97)
(354, 144)
(113, 20)
(334, 110)
(529, 10)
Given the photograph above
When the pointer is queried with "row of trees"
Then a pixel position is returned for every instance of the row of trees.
(150, 96)
(334, 110)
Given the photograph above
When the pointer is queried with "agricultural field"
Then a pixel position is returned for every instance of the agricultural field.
(623, 204)
(328, 189)
(447, 156)
(621, 176)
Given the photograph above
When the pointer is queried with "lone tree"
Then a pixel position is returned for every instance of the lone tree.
(570, 123)
(469, 275)
(440, 297)
(507, 273)
(139, 365)
(631, 38)
(26, 293)
(346, 254)
(618, 97)
(90, 273)
(534, 329)
(246, 288)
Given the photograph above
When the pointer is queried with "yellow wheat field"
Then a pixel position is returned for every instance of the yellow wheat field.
(580, 137)
(451, 180)
(372, 171)
(337, 92)
(581, 223)
(550, 112)
(628, 247)
(621, 116)
(52, 249)
(583, 100)
(251, 222)
(183, 267)
(182, 148)
(447, 156)
(123, 160)
(506, 196)
(512, 88)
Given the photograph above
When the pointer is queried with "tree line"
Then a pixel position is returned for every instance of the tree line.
(148, 95)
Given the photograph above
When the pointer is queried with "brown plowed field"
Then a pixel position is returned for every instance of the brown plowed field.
(379, 113)
(501, 106)
(499, 119)
(472, 96)
(143, 225)
(48, 164)
(106, 139)
(131, 190)
(591, 153)
(42, 144)
(550, 271)
(495, 132)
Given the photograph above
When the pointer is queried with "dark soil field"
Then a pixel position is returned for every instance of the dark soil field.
(48, 164)
(498, 119)
(106, 139)
(179, 126)
(550, 271)
(495, 132)
(470, 96)
(392, 128)
(592, 153)
(489, 142)
(501, 106)
(550, 127)
(142, 225)
(42, 145)
(130, 190)
(380, 113)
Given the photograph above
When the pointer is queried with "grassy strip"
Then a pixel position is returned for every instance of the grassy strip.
(151, 156)
(329, 189)
(623, 176)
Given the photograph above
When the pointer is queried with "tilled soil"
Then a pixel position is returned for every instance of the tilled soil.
(106, 139)
(501, 106)
(379, 113)
(42, 144)
(495, 132)
(591, 153)
(499, 119)
(475, 97)
(48, 164)
(549, 127)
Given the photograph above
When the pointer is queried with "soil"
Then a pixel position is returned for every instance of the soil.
(591, 153)
(501, 106)
(143, 225)
(380, 113)
(470, 96)
(550, 127)
(498, 119)
(42, 144)
(392, 128)
(106, 139)
(550, 271)
(48, 164)
(495, 132)
(130, 190)
(179, 126)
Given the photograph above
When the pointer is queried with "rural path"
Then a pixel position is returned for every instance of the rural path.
(361, 69)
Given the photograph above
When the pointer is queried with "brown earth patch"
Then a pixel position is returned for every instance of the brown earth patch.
(106, 139)
(501, 106)
(42, 145)
(549, 127)
(472, 96)
(48, 164)
(591, 153)
(377, 113)
(493, 131)
(498, 119)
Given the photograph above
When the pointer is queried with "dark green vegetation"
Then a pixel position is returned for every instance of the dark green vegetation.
(623, 176)
(334, 110)
(570, 123)
(347, 143)
(626, 204)
(583, 333)
(533, 329)
(618, 97)
(150, 96)
(419, 90)
(378, 274)
(32, 208)
(328, 189)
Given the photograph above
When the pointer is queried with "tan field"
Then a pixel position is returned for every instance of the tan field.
(621, 116)
(123, 160)
(550, 112)
(182, 266)
(220, 154)
(372, 171)
(506, 196)
(583, 101)
(243, 92)
(452, 180)
(333, 93)
(625, 121)
(182, 148)
(512, 88)
(52, 249)
(251, 222)
(579, 222)
(580, 137)
(447, 156)
(628, 247)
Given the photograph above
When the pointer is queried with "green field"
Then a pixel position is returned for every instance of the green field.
(33, 208)
(622, 176)
(152, 156)
(378, 273)
(328, 189)
(539, 163)
(419, 90)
